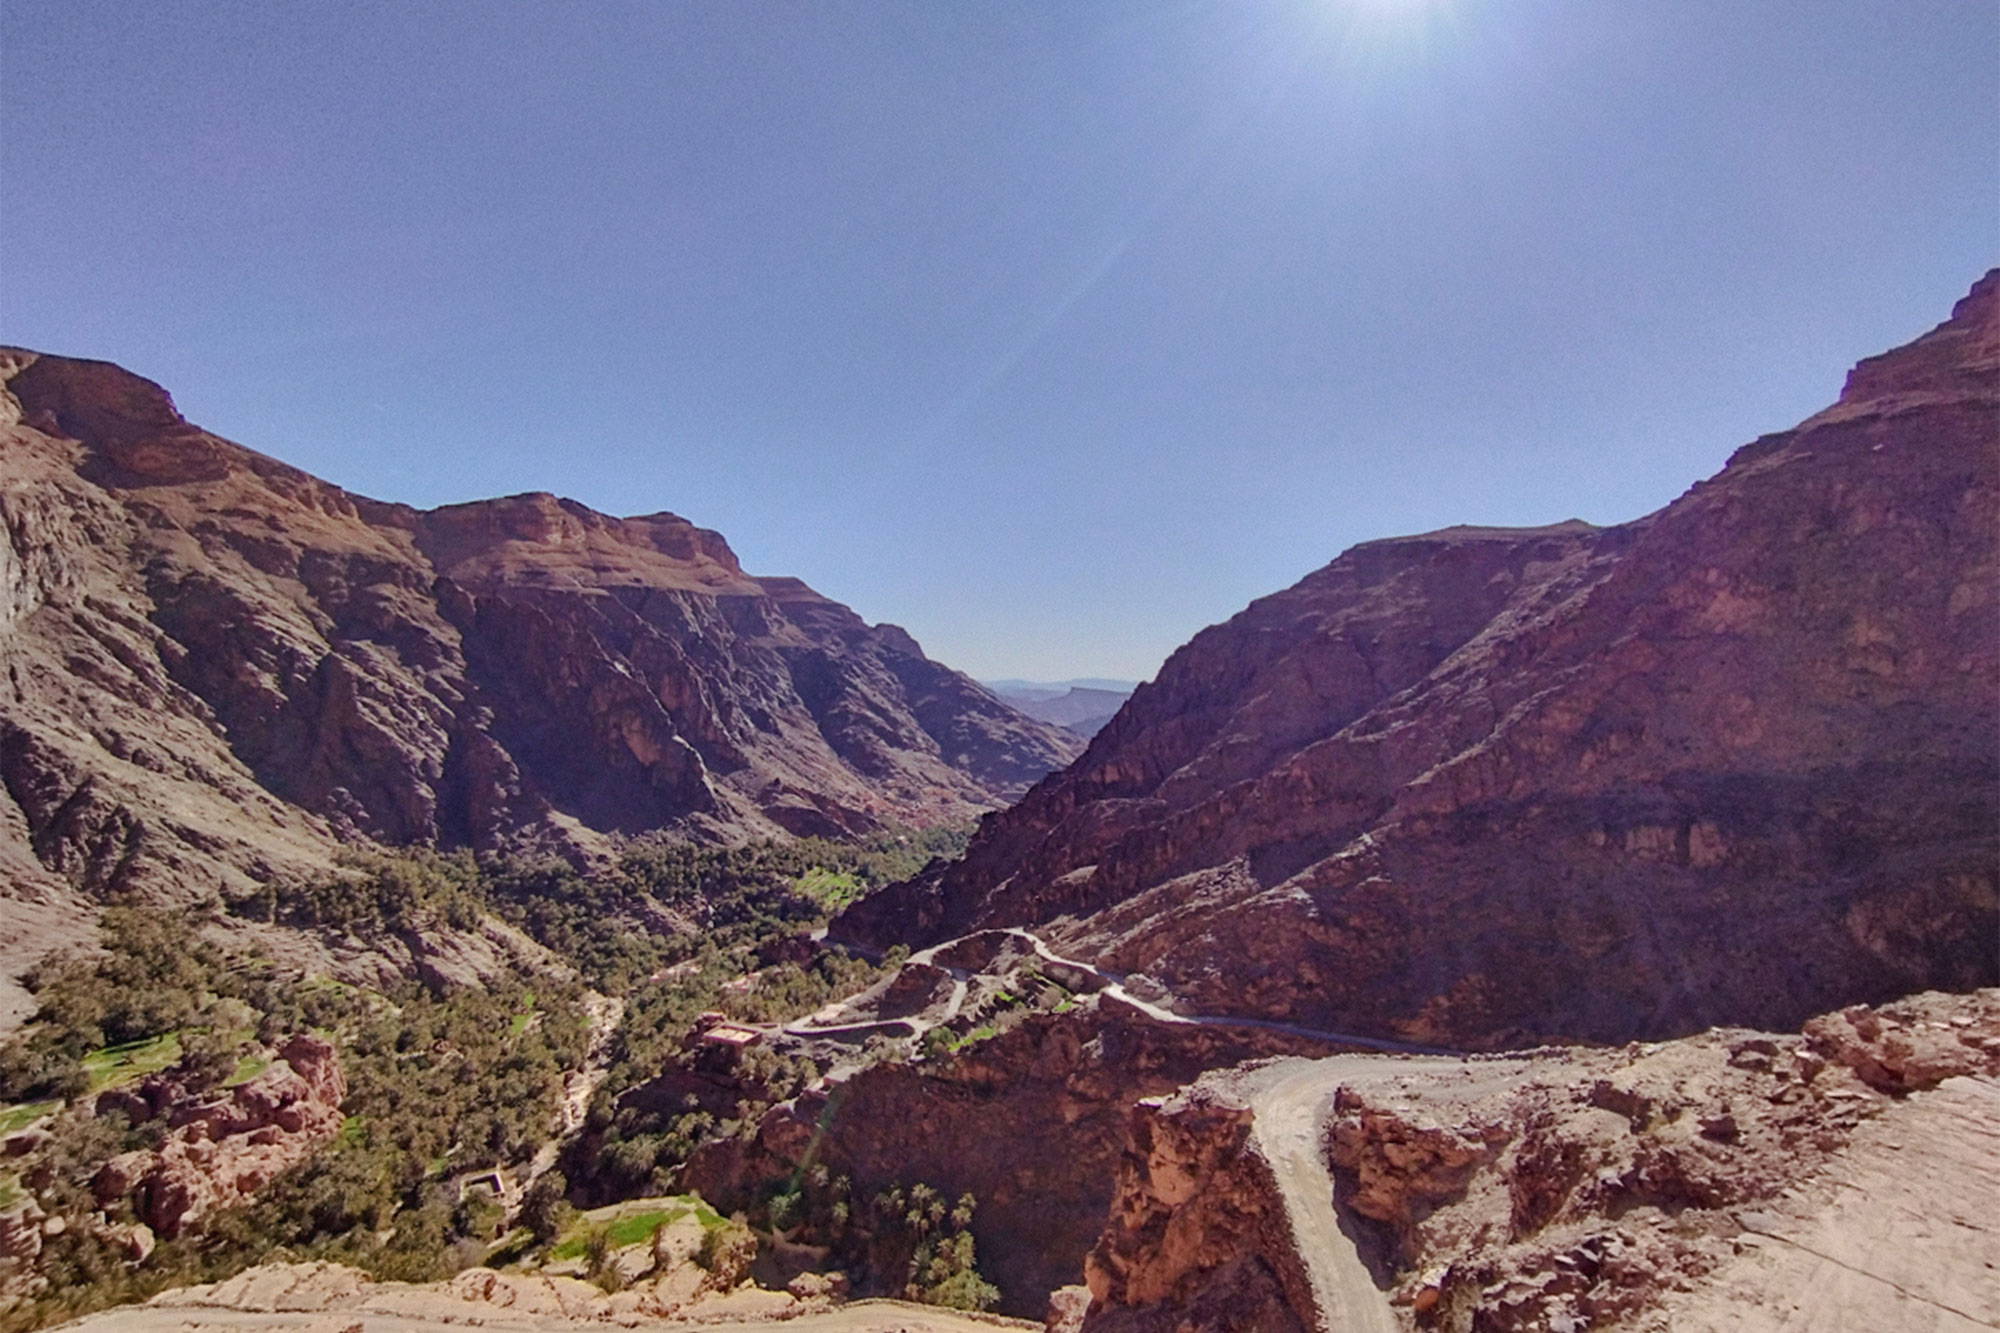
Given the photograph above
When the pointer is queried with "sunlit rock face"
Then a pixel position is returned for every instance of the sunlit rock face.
(218, 667)
(1732, 1179)
(1730, 762)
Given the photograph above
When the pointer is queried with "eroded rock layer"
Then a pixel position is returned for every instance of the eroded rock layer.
(1030, 1122)
(217, 667)
(1836, 1178)
(1733, 762)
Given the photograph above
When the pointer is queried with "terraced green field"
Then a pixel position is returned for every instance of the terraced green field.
(114, 1066)
(23, 1114)
(631, 1222)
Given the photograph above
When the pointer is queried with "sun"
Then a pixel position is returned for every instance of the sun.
(1393, 23)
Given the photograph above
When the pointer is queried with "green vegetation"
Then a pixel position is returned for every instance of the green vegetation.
(112, 1018)
(247, 1068)
(658, 905)
(912, 1240)
(832, 889)
(13, 1119)
(440, 1080)
(941, 1268)
(128, 1062)
(943, 1041)
(438, 1083)
(635, 1227)
(631, 1222)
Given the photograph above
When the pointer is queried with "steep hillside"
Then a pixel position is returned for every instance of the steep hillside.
(1733, 762)
(218, 668)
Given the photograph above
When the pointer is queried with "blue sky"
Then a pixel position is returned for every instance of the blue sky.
(1051, 331)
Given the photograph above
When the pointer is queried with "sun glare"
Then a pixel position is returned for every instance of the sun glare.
(1375, 28)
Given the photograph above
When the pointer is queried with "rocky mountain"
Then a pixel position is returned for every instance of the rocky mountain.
(1726, 767)
(1732, 762)
(218, 668)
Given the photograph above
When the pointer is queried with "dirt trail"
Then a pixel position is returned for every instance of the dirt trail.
(1290, 1100)
(1115, 986)
(910, 1026)
(580, 1084)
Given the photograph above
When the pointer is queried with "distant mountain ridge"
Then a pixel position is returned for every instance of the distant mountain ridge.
(1011, 685)
(1080, 707)
(1729, 763)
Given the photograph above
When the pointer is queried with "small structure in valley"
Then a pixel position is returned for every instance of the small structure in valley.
(493, 1182)
(716, 1029)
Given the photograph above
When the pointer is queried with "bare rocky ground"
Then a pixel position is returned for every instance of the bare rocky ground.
(1841, 1178)
(327, 1298)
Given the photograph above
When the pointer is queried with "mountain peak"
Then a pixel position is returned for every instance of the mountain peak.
(1957, 359)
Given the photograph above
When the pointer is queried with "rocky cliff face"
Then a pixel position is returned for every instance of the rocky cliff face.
(1731, 762)
(217, 668)
(1031, 1122)
(1835, 1178)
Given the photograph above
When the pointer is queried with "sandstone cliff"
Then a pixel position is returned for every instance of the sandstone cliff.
(1733, 762)
(1832, 1179)
(217, 668)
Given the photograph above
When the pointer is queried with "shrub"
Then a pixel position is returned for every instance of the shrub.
(727, 1251)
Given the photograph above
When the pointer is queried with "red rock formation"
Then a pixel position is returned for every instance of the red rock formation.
(217, 666)
(221, 1152)
(1030, 1122)
(1628, 1187)
(1731, 762)
(1197, 1227)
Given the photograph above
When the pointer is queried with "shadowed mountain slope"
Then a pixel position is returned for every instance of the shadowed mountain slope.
(1731, 762)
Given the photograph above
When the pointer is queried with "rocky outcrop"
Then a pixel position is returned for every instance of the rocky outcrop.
(215, 668)
(1728, 763)
(331, 1298)
(20, 1243)
(1714, 1181)
(1197, 1225)
(221, 1151)
(1030, 1122)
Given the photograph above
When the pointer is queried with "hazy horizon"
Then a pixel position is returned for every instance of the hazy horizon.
(1050, 333)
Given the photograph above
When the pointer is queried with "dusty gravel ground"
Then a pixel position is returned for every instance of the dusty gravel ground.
(400, 1309)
